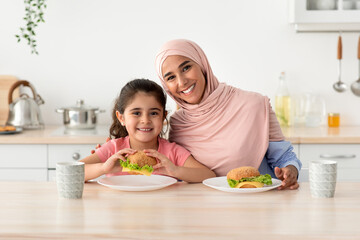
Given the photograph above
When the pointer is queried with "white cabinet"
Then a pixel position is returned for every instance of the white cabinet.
(346, 155)
(66, 153)
(22, 174)
(307, 16)
(37, 162)
(23, 162)
(296, 149)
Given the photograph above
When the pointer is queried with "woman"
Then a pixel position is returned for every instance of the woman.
(223, 127)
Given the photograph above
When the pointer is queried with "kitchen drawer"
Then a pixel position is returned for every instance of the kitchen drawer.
(346, 155)
(66, 153)
(23, 156)
(17, 174)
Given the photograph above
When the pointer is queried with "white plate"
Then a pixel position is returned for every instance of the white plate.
(220, 183)
(137, 182)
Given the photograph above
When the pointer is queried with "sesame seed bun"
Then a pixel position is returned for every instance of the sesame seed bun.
(141, 159)
(242, 172)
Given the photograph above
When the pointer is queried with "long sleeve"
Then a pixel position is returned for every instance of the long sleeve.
(279, 154)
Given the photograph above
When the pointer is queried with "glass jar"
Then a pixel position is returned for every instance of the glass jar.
(334, 119)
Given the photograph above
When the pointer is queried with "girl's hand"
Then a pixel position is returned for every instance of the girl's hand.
(288, 176)
(164, 166)
(98, 146)
(112, 165)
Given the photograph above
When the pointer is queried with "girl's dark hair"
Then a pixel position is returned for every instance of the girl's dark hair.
(125, 97)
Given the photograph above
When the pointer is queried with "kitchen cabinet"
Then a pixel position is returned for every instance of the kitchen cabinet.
(23, 162)
(37, 162)
(66, 153)
(306, 17)
(347, 157)
(32, 154)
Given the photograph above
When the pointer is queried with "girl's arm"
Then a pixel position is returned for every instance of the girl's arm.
(191, 172)
(93, 167)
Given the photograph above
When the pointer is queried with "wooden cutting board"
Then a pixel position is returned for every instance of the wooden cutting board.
(6, 81)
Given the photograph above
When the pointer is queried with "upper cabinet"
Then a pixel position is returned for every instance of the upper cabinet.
(325, 15)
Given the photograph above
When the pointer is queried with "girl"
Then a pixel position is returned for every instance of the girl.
(138, 117)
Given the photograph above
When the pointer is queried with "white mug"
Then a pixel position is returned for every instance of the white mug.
(70, 177)
(322, 176)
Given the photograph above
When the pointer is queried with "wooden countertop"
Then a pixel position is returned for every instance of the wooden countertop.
(181, 211)
(54, 134)
(324, 134)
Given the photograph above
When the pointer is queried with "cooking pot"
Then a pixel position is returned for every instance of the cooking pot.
(24, 111)
(79, 116)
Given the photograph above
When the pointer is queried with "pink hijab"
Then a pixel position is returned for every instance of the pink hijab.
(229, 128)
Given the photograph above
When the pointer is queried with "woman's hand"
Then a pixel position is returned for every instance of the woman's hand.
(98, 146)
(164, 166)
(288, 176)
(112, 165)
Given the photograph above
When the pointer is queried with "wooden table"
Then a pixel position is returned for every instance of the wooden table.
(181, 211)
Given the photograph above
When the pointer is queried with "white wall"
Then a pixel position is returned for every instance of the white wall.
(90, 48)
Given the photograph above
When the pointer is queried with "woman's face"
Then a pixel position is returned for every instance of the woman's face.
(184, 78)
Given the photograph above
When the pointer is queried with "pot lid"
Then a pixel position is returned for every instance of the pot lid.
(80, 106)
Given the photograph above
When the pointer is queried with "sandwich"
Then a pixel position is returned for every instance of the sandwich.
(138, 164)
(247, 177)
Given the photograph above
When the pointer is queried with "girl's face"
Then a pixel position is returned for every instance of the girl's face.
(143, 119)
(184, 78)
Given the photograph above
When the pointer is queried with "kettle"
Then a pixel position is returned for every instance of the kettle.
(24, 111)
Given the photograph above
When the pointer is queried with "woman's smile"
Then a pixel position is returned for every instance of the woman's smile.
(189, 90)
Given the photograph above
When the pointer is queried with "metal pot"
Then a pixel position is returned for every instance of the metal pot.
(24, 111)
(79, 116)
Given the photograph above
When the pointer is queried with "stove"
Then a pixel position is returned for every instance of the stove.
(100, 130)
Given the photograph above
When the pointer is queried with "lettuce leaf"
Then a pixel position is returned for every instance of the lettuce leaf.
(134, 166)
(232, 183)
(266, 179)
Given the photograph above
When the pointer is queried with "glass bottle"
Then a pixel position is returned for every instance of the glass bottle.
(334, 119)
(283, 102)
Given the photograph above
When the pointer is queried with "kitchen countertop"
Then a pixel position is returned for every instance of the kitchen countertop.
(32, 210)
(55, 134)
(323, 134)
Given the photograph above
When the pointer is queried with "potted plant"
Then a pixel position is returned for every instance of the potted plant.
(34, 14)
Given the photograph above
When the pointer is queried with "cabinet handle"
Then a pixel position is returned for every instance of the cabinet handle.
(337, 156)
(76, 156)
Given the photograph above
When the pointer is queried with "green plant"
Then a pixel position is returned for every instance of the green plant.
(34, 13)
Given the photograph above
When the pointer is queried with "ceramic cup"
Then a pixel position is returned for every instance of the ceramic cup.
(70, 179)
(322, 176)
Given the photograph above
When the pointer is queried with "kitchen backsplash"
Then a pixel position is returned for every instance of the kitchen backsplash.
(101, 45)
